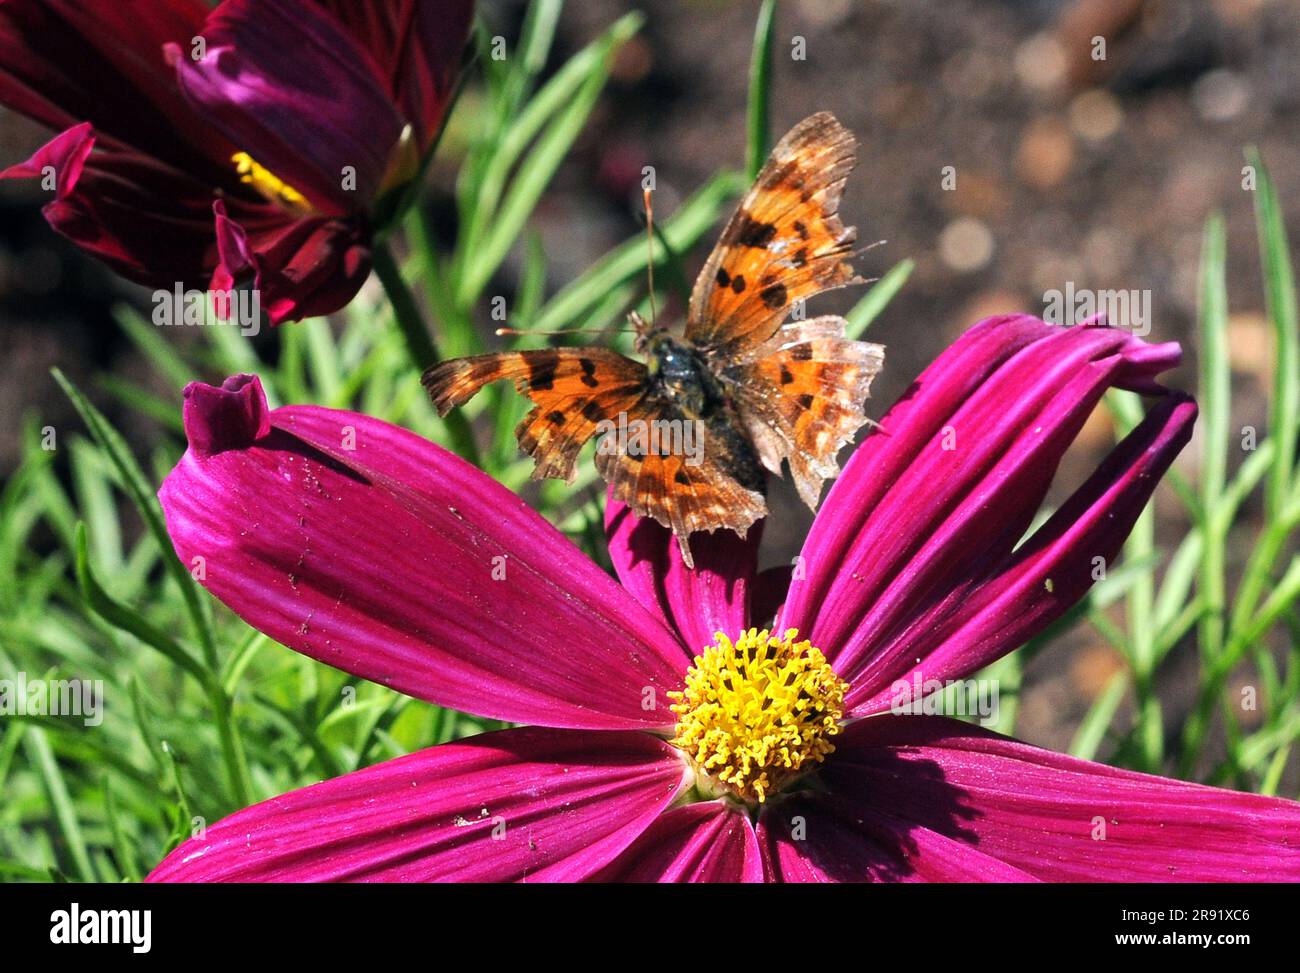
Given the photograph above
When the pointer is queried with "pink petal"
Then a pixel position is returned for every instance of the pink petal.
(1055, 817)
(703, 842)
(371, 549)
(516, 805)
(954, 478)
(821, 839)
(712, 597)
(1003, 604)
(65, 156)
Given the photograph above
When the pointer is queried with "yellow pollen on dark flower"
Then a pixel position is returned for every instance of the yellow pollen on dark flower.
(757, 713)
(269, 185)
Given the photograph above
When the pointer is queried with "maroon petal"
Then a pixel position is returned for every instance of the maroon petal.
(705, 842)
(1002, 607)
(67, 61)
(1055, 817)
(287, 84)
(145, 219)
(822, 839)
(417, 46)
(711, 597)
(299, 268)
(375, 551)
(943, 492)
(517, 805)
(63, 158)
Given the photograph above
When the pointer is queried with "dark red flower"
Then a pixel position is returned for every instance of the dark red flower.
(297, 127)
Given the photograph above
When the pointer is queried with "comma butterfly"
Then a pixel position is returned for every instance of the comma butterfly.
(760, 390)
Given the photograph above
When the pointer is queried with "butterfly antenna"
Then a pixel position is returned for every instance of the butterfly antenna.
(870, 246)
(650, 250)
(525, 333)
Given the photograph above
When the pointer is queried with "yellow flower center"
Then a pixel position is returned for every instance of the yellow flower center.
(269, 185)
(757, 713)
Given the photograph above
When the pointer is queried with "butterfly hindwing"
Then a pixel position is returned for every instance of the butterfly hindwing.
(572, 390)
(801, 396)
(684, 490)
(784, 243)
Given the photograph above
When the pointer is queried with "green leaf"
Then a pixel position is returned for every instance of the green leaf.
(1092, 730)
(129, 620)
(878, 298)
(569, 96)
(160, 352)
(56, 791)
(760, 89)
(122, 850)
(140, 492)
(1215, 404)
(1280, 293)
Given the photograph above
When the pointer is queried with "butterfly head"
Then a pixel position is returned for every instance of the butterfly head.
(649, 335)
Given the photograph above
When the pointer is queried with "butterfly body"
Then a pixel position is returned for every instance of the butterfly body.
(758, 391)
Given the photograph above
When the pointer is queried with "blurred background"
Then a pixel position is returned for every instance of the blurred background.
(1067, 168)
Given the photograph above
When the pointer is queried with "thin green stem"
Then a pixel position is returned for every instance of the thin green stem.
(1215, 396)
(420, 345)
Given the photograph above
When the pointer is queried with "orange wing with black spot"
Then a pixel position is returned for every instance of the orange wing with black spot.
(667, 474)
(573, 390)
(784, 244)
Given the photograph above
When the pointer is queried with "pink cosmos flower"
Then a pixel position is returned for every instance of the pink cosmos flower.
(659, 750)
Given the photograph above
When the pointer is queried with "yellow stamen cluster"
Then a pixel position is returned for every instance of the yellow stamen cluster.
(269, 185)
(757, 712)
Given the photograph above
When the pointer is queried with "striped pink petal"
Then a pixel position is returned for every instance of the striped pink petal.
(1056, 818)
(703, 842)
(822, 839)
(1001, 605)
(943, 492)
(712, 597)
(516, 805)
(371, 549)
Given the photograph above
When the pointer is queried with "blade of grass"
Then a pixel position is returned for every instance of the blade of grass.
(140, 493)
(876, 299)
(1092, 730)
(538, 167)
(56, 791)
(1215, 403)
(760, 89)
(129, 620)
(683, 230)
(1280, 298)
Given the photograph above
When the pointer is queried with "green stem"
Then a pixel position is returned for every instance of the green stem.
(419, 343)
(232, 747)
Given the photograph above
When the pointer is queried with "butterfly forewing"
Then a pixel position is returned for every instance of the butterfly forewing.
(785, 242)
(572, 389)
